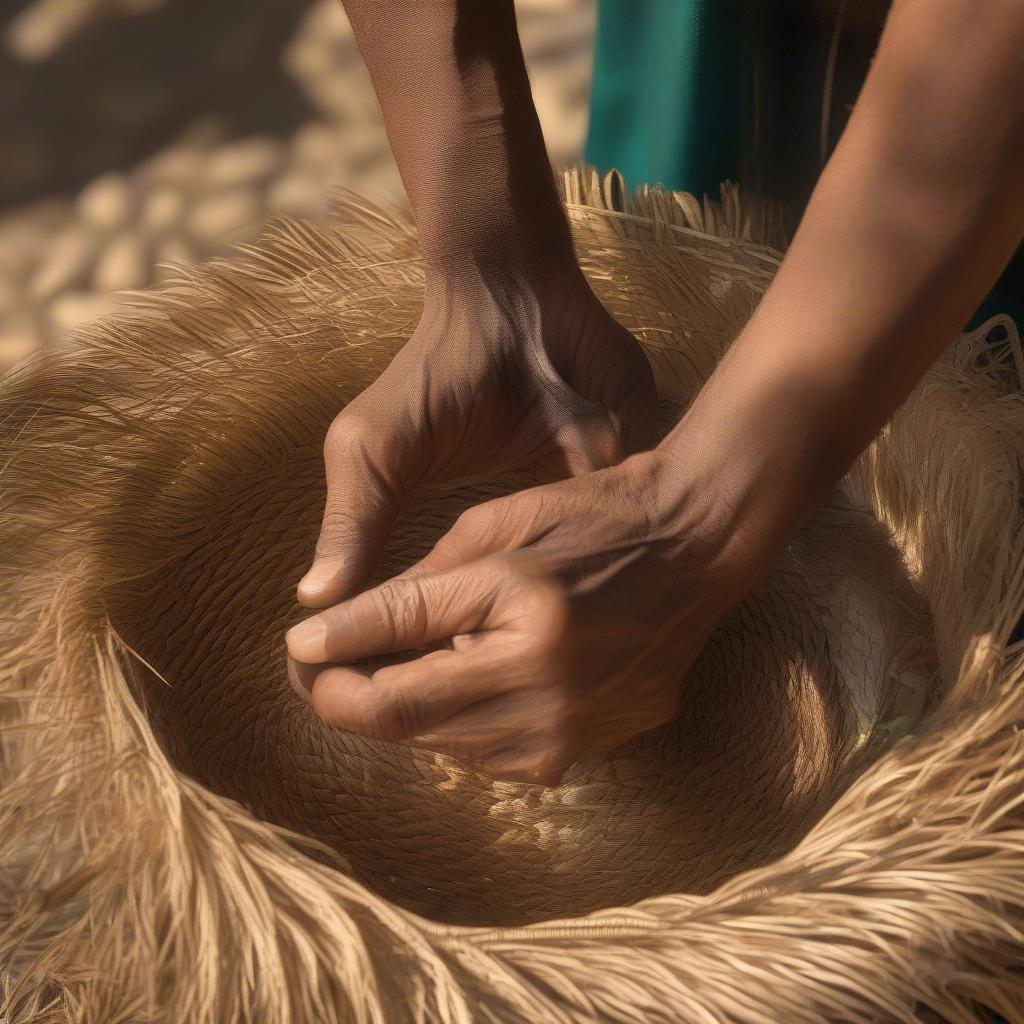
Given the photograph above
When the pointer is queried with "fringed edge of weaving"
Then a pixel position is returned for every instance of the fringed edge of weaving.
(909, 893)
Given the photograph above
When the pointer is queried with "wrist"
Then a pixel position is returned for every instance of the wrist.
(749, 462)
(475, 221)
(489, 201)
(554, 288)
(494, 252)
(692, 523)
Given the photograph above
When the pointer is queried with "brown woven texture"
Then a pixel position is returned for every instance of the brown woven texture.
(830, 830)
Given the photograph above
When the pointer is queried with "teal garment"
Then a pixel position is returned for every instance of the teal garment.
(665, 99)
(688, 93)
(691, 93)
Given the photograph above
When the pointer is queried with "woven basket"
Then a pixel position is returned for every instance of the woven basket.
(831, 830)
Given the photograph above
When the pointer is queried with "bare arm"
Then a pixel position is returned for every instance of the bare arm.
(456, 100)
(514, 360)
(912, 221)
(587, 600)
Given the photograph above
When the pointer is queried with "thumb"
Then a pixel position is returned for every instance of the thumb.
(358, 515)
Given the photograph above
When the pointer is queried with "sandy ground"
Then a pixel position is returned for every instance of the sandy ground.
(142, 132)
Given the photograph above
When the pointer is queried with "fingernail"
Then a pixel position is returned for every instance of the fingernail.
(297, 682)
(319, 575)
(306, 640)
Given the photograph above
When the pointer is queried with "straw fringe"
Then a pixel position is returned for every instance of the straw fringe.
(131, 892)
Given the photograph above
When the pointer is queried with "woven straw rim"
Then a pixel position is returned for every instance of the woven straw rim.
(909, 893)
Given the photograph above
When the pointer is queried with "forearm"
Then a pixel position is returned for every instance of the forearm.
(913, 219)
(456, 100)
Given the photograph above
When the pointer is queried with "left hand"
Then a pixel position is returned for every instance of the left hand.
(501, 372)
(574, 611)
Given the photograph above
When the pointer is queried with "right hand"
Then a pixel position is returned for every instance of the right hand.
(572, 611)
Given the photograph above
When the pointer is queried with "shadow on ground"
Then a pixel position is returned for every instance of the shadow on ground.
(107, 99)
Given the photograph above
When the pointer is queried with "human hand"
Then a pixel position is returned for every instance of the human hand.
(501, 372)
(574, 612)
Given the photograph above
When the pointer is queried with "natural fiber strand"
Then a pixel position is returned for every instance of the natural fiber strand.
(144, 465)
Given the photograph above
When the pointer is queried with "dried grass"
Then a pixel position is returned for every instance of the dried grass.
(179, 841)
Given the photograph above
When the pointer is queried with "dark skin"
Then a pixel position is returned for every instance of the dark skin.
(574, 608)
(514, 359)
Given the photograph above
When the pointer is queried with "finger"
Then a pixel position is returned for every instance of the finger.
(479, 531)
(507, 762)
(503, 524)
(396, 702)
(400, 615)
(638, 409)
(301, 676)
(500, 738)
(641, 433)
(591, 442)
(358, 515)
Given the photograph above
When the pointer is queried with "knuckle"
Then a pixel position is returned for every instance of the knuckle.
(403, 609)
(470, 521)
(448, 548)
(505, 518)
(384, 719)
(339, 530)
(348, 432)
(548, 766)
(467, 532)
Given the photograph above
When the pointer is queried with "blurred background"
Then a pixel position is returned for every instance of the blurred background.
(137, 133)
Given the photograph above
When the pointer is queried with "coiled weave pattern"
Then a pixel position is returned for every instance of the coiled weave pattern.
(831, 831)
